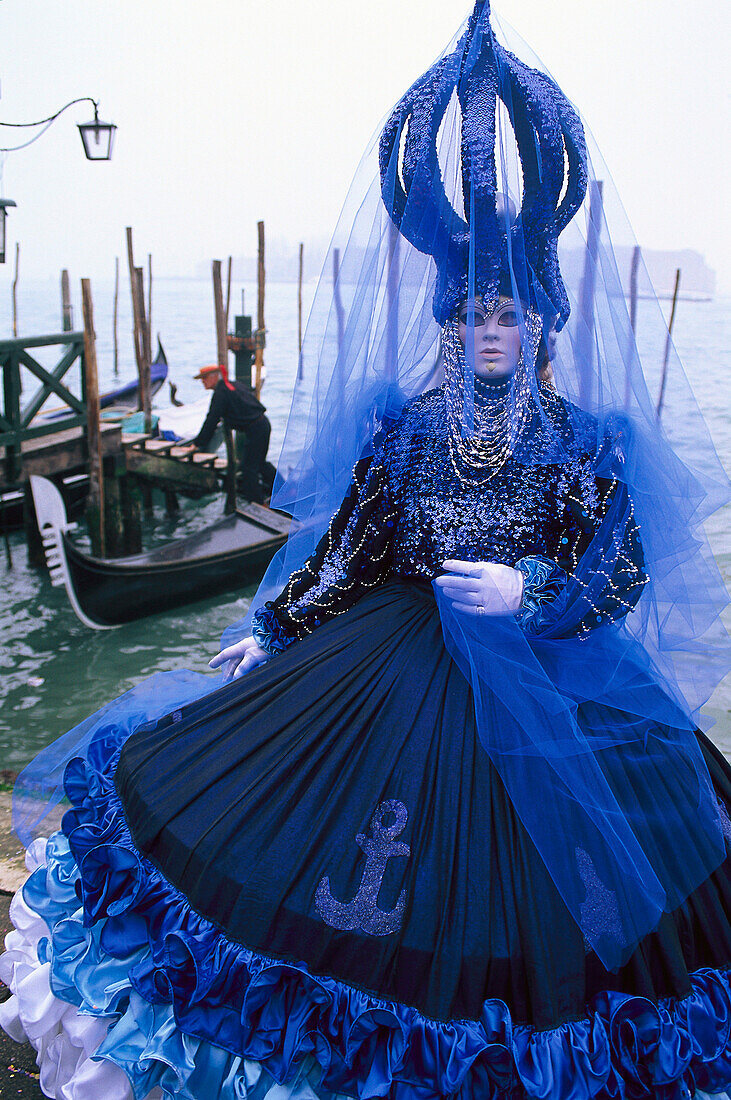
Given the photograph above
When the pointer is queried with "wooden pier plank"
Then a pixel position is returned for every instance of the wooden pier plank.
(132, 438)
(62, 452)
(159, 446)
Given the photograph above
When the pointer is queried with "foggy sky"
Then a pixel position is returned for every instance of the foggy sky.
(236, 110)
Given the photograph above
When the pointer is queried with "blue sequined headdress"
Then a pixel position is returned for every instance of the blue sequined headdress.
(486, 248)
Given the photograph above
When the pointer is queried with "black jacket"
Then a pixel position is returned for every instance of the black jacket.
(238, 408)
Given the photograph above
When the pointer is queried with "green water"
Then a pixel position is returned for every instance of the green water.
(55, 671)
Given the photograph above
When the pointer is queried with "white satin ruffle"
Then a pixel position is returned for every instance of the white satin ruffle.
(64, 1039)
(85, 1056)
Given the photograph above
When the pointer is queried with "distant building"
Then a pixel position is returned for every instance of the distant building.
(656, 273)
(697, 279)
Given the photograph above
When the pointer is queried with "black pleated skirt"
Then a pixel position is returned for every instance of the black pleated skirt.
(334, 807)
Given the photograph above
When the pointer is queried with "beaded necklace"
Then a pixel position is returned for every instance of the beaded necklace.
(485, 420)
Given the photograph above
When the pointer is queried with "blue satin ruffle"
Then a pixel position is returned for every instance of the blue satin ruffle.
(268, 632)
(181, 995)
(544, 586)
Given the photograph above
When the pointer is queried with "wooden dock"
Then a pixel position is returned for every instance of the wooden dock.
(174, 468)
(30, 444)
(82, 449)
(57, 455)
(133, 465)
(164, 463)
(156, 463)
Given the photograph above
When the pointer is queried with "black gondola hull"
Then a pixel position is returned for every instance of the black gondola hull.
(111, 593)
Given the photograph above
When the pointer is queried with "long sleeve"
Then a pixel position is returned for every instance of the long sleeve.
(352, 556)
(598, 573)
(215, 412)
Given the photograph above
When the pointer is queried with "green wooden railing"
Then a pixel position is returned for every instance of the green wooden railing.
(16, 420)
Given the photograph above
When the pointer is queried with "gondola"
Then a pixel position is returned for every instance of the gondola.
(108, 592)
(125, 397)
(128, 395)
(74, 489)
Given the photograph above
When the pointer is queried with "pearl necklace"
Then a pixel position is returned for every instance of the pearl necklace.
(485, 420)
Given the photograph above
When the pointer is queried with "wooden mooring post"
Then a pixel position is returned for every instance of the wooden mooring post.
(260, 326)
(337, 298)
(632, 350)
(95, 506)
(228, 289)
(141, 336)
(633, 278)
(67, 310)
(122, 527)
(668, 345)
(113, 508)
(392, 283)
(144, 327)
(222, 360)
(300, 268)
(231, 469)
(220, 315)
(15, 289)
(148, 325)
(115, 316)
(586, 333)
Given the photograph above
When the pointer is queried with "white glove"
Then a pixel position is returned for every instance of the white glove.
(239, 658)
(481, 587)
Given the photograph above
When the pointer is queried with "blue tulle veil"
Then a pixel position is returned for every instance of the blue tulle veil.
(483, 181)
(439, 220)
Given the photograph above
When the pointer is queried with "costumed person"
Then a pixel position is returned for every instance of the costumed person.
(239, 408)
(448, 828)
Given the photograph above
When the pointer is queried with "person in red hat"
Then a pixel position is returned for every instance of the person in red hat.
(238, 407)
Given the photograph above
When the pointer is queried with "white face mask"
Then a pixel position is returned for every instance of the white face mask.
(490, 339)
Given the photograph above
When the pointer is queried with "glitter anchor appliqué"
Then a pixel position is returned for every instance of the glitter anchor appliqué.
(363, 912)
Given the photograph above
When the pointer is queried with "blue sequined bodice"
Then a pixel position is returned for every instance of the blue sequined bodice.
(409, 508)
(437, 516)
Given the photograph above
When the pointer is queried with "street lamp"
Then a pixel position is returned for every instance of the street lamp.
(4, 204)
(97, 137)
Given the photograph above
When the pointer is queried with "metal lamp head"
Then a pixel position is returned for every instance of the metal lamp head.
(4, 204)
(97, 137)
